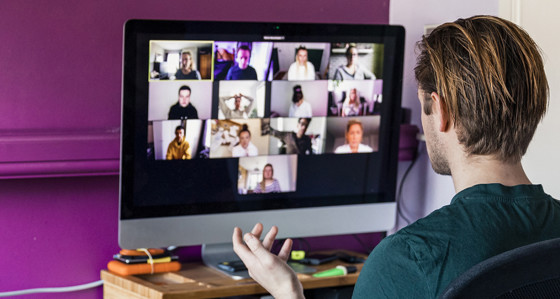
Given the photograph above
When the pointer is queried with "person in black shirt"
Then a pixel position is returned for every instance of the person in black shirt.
(242, 70)
(183, 109)
(295, 142)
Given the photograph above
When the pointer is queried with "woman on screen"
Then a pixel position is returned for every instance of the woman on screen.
(299, 107)
(186, 72)
(352, 105)
(352, 70)
(245, 148)
(268, 184)
(301, 69)
(354, 134)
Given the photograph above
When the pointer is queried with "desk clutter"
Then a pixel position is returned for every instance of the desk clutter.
(143, 261)
(196, 280)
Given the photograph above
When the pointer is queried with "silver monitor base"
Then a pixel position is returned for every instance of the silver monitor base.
(213, 254)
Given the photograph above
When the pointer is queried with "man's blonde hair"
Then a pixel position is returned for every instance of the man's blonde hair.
(490, 76)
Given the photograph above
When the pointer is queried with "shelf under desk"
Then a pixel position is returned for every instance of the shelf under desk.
(196, 280)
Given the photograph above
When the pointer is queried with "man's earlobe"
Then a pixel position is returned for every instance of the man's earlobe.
(440, 110)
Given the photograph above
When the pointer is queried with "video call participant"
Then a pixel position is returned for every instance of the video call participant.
(299, 107)
(179, 148)
(352, 105)
(296, 142)
(183, 109)
(301, 69)
(354, 135)
(242, 70)
(352, 70)
(268, 184)
(186, 72)
(238, 111)
(496, 207)
(245, 148)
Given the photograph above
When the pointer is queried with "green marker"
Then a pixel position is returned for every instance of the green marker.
(337, 271)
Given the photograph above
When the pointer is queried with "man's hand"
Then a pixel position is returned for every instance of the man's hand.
(269, 270)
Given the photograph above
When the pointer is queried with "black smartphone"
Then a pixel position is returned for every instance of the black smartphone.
(317, 259)
(232, 266)
(141, 259)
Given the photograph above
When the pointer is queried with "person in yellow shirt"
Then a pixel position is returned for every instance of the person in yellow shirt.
(179, 148)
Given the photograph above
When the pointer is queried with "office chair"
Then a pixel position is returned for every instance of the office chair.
(531, 271)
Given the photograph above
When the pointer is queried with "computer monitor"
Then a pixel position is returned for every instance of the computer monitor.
(223, 126)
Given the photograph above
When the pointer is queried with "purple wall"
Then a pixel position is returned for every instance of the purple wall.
(60, 90)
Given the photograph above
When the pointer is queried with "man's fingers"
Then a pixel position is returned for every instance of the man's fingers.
(269, 238)
(239, 246)
(257, 230)
(256, 247)
(284, 253)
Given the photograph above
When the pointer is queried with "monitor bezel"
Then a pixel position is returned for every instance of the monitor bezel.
(137, 32)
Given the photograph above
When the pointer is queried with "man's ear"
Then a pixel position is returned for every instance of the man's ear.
(440, 112)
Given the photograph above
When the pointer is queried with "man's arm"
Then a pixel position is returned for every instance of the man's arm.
(187, 151)
(251, 102)
(278, 134)
(169, 155)
(222, 104)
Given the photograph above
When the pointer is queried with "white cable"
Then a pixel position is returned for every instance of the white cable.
(54, 290)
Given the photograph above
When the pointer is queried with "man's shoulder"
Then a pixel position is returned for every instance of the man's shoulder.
(392, 271)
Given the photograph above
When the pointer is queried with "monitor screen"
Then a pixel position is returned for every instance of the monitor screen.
(227, 123)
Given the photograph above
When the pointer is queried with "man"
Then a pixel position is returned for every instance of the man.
(296, 142)
(179, 148)
(242, 70)
(183, 109)
(483, 90)
(238, 111)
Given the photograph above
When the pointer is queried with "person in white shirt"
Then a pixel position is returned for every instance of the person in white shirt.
(239, 110)
(245, 148)
(354, 134)
(299, 107)
(301, 69)
(352, 70)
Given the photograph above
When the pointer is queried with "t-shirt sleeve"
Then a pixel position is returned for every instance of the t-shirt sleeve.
(392, 271)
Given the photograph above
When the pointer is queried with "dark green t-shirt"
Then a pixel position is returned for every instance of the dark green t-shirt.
(420, 260)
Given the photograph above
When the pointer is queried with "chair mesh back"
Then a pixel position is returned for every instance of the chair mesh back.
(547, 289)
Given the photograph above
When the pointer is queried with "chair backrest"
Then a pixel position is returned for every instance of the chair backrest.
(531, 271)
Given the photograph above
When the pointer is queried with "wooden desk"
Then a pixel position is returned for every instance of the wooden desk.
(198, 281)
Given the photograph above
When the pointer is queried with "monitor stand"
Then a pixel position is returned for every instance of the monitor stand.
(213, 254)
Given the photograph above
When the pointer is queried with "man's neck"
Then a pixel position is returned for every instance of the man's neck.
(474, 170)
